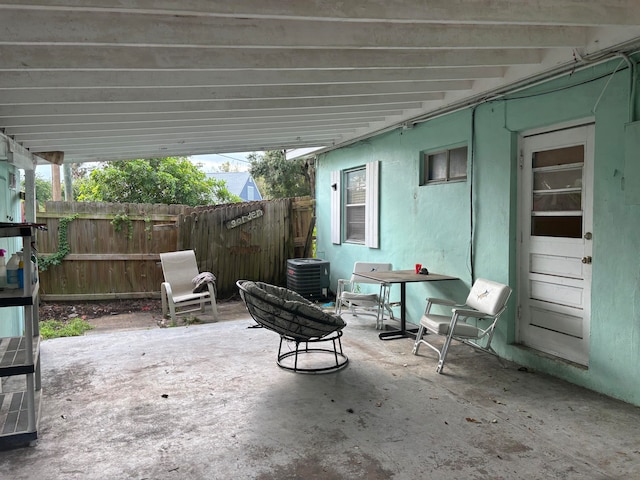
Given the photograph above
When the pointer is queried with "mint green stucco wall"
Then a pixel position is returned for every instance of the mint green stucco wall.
(432, 224)
(11, 317)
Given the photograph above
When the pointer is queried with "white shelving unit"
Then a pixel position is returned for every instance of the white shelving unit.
(19, 356)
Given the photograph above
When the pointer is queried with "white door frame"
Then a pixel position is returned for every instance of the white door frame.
(573, 349)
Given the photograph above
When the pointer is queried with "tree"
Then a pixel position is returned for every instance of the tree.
(79, 175)
(171, 180)
(227, 167)
(43, 191)
(279, 177)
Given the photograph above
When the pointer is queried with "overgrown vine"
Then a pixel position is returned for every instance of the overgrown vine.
(121, 219)
(63, 245)
(148, 227)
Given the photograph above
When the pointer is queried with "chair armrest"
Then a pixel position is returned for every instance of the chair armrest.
(342, 282)
(441, 301)
(438, 301)
(465, 312)
(167, 288)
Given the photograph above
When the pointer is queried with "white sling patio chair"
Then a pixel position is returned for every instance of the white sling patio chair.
(177, 290)
(484, 305)
(353, 295)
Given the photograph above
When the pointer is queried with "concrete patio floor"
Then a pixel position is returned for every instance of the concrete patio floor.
(209, 402)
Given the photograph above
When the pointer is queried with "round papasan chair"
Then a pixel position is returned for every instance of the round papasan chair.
(299, 322)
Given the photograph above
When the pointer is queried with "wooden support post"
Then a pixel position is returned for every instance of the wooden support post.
(56, 159)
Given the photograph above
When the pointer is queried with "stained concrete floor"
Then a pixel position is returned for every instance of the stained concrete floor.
(209, 402)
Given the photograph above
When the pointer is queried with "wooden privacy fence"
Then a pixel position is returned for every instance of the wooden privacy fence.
(113, 249)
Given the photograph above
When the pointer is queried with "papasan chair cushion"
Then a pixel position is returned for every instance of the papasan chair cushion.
(287, 313)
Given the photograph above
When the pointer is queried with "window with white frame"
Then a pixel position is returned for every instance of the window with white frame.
(354, 205)
(444, 166)
(355, 198)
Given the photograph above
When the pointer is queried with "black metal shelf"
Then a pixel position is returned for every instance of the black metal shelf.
(19, 298)
(13, 356)
(14, 420)
(20, 409)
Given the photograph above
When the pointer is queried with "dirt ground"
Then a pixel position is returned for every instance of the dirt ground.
(90, 310)
(133, 314)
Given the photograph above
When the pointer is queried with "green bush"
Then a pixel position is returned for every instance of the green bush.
(56, 328)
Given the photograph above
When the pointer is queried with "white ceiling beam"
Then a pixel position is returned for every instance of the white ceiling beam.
(16, 154)
(80, 137)
(567, 12)
(116, 147)
(64, 57)
(169, 94)
(164, 107)
(92, 155)
(88, 28)
(179, 138)
(202, 117)
(73, 131)
(14, 79)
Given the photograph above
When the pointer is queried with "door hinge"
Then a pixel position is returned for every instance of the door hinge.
(521, 160)
(519, 312)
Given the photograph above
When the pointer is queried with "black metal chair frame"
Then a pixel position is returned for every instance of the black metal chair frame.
(307, 342)
(339, 357)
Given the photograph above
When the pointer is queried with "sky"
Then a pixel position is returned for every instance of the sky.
(210, 163)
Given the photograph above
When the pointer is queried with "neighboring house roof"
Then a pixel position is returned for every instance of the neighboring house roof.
(237, 183)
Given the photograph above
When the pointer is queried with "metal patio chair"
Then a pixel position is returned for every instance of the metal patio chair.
(177, 291)
(353, 295)
(487, 300)
(298, 321)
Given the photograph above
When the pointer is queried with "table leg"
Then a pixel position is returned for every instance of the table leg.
(403, 332)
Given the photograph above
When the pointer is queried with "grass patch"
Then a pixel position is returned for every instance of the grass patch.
(55, 328)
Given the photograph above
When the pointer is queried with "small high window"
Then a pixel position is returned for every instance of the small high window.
(444, 166)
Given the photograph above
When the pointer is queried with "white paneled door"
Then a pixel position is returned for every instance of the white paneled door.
(556, 242)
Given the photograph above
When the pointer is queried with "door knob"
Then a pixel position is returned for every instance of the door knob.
(588, 236)
(586, 260)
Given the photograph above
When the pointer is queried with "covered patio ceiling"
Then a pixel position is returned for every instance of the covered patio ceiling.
(111, 79)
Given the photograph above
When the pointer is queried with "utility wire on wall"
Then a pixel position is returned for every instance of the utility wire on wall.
(471, 209)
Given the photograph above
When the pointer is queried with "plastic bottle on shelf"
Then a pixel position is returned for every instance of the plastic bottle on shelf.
(34, 269)
(20, 271)
(3, 270)
(12, 271)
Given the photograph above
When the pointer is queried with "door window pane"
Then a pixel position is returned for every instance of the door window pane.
(556, 207)
(557, 226)
(551, 180)
(558, 156)
(557, 202)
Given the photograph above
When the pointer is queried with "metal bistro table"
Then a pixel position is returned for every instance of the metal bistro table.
(402, 277)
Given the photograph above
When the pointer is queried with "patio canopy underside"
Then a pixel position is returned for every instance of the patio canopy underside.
(106, 80)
